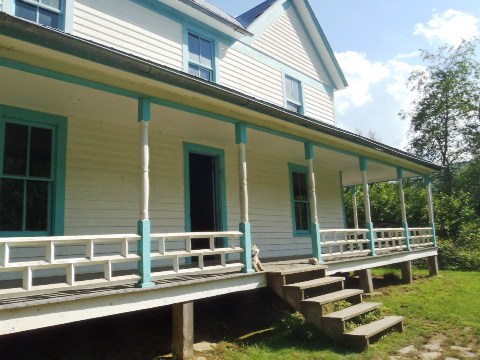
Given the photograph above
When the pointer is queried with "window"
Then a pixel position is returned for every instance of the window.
(30, 176)
(44, 12)
(300, 203)
(200, 57)
(293, 95)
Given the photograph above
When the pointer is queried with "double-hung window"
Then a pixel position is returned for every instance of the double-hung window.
(300, 201)
(200, 56)
(31, 175)
(44, 12)
(293, 95)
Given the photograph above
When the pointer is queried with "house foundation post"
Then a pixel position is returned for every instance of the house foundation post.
(312, 197)
(407, 275)
(365, 277)
(366, 201)
(401, 195)
(244, 227)
(144, 245)
(433, 265)
(182, 331)
(428, 184)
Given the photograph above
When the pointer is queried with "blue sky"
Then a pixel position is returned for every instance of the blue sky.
(376, 43)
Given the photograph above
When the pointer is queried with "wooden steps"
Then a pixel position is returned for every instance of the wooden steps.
(309, 291)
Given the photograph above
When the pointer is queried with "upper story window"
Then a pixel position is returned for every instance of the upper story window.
(43, 12)
(293, 95)
(200, 56)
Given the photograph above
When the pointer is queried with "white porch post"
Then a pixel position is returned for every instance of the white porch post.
(428, 184)
(245, 228)
(144, 245)
(312, 198)
(366, 202)
(401, 195)
(353, 192)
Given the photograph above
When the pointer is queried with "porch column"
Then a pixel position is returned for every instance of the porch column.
(182, 331)
(403, 209)
(366, 202)
(245, 228)
(353, 192)
(312, 198)
(144, 245)
(428, 183)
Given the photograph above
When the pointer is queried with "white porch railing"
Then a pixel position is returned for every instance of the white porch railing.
(390, 239)
(421, 237)
(47, 264)
(343, 242)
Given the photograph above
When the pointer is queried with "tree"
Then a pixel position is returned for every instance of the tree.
(445, 116)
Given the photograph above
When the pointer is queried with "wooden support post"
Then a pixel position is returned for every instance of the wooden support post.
(407, 275)
(365, 277)
(245, 229)
(353, 192)
(366, 196)
(431, 220)
(433, 265)
(144, 245)
(401, 195)
(182, 331)
(312, 198)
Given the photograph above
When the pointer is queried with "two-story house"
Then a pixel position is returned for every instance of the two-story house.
(183, 129)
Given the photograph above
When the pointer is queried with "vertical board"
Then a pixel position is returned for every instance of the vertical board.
(130, 28)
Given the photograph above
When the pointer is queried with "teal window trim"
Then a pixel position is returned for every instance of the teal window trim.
(295, 168)
(66, 13)
(58, 176)
(188, 28)
(290, 101)
(220, 155)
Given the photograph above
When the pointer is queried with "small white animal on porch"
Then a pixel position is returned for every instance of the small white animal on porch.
(257, 265)
(313, 261)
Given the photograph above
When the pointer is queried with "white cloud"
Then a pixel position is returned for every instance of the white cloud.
(396, 87)
(412, 54)
(451, 27)
(361, 74)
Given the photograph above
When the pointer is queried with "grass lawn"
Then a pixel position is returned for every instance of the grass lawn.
(445, 307)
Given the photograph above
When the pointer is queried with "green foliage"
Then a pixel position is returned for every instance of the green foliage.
(296, 326)
(363, 319)
(453, 257)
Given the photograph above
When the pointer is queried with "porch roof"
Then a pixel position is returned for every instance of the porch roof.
(18, 34)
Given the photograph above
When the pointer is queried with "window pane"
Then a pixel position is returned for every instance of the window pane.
(26, 11)
(11, 204)
(37, 206)
(194, 48)
(206, 53)
(52, 3)
(295, 91)
(293, 107)
(40, 152)
(15, 150)
(288, 88)
(301, 216)
(206, 74)
(48, 18)
(193, 70)
(299, 186)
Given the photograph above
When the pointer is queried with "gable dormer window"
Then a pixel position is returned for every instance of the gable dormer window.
(200, 56)
(293, 95)
(43, 12)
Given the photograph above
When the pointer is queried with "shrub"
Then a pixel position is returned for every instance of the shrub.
(454, 257)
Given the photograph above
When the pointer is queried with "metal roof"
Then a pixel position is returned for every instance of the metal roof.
(251, 15)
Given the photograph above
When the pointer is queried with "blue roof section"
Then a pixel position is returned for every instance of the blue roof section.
(212, 9)
(249, 16)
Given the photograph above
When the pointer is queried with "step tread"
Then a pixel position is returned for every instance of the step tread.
(334, 296)
(352, 311)
(297, 270)
(376, 327)
(315, 282)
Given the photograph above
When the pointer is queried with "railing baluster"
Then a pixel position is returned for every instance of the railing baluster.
(71, 274)
(176, 265)
(212, 242)
(188, 244)
(125, 247)
(4, 254)
(161, 245)
(27, 278)
(50, 252)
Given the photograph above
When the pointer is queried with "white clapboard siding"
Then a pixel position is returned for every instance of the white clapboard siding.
(128, 27)
(288, 41)
(329, 198)
(250, 76)
(318, 104)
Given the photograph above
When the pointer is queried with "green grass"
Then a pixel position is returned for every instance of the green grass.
(448, 305)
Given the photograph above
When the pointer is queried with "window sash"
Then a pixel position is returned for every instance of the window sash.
(300, 201)
(200, 56)
(44, 5)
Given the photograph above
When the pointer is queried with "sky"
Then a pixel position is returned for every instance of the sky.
(377, 44)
